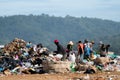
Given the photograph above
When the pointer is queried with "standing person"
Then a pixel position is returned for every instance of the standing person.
(80, 51)
(87, 50)
(102, 51)
(107, 48)
(91, 49)
(69, 47)
(60, 49)
(91, 46)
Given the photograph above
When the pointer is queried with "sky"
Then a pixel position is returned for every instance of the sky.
(104, 9)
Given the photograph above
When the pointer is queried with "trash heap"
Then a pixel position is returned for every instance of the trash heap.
(14, 46)
(17, 58)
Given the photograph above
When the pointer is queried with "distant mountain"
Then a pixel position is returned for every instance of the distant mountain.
(44, 29)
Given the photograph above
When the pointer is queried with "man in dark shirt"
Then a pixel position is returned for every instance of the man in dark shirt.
(60, 49)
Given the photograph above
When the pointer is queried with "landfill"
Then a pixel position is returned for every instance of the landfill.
(20, 57)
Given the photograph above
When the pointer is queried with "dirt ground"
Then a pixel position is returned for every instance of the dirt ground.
(64, 76)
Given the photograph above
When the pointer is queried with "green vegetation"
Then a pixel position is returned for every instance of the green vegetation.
(44, 29)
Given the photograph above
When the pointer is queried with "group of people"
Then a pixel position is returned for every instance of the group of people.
(84, 50)
(103, 49)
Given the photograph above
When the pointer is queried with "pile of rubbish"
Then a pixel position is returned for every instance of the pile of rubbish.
(21, 57)
(14, 46)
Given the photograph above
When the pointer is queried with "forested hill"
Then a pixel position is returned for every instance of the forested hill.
(44, 29)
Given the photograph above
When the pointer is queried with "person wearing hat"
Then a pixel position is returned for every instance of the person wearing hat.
(69, 47)
(60, 49)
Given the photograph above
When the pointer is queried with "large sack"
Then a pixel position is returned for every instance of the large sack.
(81, 67)
(101, 60)
(91, 70)
(58, 66)
(45, 64)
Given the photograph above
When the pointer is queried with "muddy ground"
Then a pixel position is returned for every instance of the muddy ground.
(64, 76)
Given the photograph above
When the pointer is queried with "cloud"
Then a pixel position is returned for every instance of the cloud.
(106, 9)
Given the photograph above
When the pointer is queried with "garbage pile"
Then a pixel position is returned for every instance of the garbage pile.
(21, 57)
(14, 46)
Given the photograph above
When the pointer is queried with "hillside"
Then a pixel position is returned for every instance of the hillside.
(44, 29)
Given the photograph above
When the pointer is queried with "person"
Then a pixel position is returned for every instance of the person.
(107, 48)
(92, 50)
(60, 49)
(102, 51)
(37, 47)
(87, 50)
(80, 51)
(91, 45)
(70, 46)
(29, 45)
(100, 45)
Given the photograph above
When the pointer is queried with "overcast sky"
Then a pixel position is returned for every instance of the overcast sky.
(104, 9)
